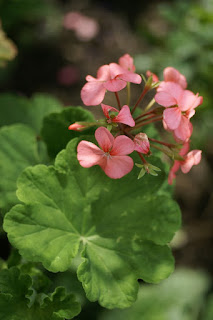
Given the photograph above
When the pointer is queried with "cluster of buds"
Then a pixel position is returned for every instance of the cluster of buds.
(120, 133)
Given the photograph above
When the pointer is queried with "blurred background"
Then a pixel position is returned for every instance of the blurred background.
(49, 46)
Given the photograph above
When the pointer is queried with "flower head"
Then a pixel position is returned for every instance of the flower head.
(111, 156)
(190, 159)
(182, 105)
(110, 77)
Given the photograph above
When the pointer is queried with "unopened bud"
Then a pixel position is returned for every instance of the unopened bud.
(142, 143)
(76, 127)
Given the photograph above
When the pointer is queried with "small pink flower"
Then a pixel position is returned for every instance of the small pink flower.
(111, 156)
(126, 62)
(142, 143)
(193, 158)
(154, 76)
(190, 159)
(110, 77)
(123, 116)
(76, 127)
(184, 101)
(173, 75)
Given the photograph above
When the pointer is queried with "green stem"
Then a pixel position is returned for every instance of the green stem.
(150, 104)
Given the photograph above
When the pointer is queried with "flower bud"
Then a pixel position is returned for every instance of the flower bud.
(76, 127)
(142, 143)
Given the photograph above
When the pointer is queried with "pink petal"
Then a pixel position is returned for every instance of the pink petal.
(117, 166)
(115, 85)
(184, 149)
(172, 172)
(172, 117)
(165, 99)
(125, 117)
(197, 156)
(126, 62)
(171, 88)
(122, 146)
(131, 77)
(192, 158)
(184, 130)
(103, 73)
(186, 100)
(172, 74)
(105, 139)
(88, 154)
(115, 70)
(93, 93)
(106, 110)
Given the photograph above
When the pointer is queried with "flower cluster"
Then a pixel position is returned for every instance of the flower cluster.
(120, 133)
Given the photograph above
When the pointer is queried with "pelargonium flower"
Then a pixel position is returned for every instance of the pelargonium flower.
(184, 101)
(173, 75)
(190, 159)
(126, 62)
(123, 116)
(110, 77)
(142, 143)
(111, 156)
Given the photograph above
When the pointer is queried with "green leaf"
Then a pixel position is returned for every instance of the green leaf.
(154, 218)
(55, 128)
(18, 300)
(179, 297)
(19, 109)
(19, 149)
(63, 205)
(208, 313)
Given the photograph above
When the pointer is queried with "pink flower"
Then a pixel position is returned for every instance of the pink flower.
(126, 62)
(176, 119)
(142, 143)
(111, 156)
(123, 116)
(190, 159)
(76, 127)
(173, 75)
(110, 77)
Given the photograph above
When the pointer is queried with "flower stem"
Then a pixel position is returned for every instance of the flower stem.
(145, 90)
(128, 93)
(140, 124)
(170, 145)
(150, 117)
(142, 158)
(144, 115)
(150, 104)
(118, 100)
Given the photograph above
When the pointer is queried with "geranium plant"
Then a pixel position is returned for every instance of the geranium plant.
(90, 198)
